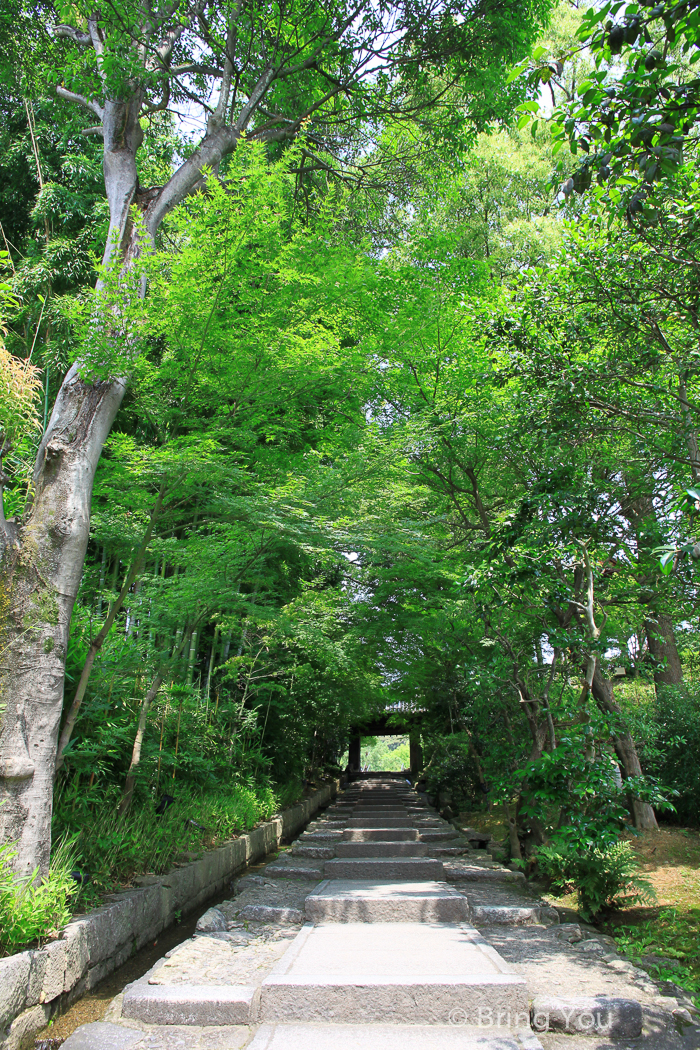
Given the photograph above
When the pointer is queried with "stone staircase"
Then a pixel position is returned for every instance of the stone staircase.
(387, 955)
(387, 942)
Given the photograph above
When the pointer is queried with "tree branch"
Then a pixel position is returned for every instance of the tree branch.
(72, 96)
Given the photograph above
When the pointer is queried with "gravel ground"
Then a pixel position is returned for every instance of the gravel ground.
(554, 966)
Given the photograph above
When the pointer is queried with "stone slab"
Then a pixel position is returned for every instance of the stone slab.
(379, 811)
(375, 973)
(417, 869)
(101, 1035)
(456, 871)
(288, 871)
(316, 852)
(380, 835)
(190, 1004)
(383, 1037)
(338, 900)
(505, 914)
(381, 849)
(588, 1015)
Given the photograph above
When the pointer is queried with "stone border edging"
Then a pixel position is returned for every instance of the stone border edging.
(33, 984)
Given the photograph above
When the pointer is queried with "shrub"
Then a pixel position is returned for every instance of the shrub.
(601, 875)
(116, 847)
(33, 912)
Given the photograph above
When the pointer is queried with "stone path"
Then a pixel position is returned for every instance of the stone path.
(384, 927)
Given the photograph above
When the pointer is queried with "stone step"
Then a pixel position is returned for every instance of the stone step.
(448, 851)
(380, 822)
(381, 849)
(409, 869)
(189, 1004)
(437, 835)
(388, 1037)
(380, 835)
(293, 871)
(381, 813)
(409, 973)
(317, 852)
(348, 900)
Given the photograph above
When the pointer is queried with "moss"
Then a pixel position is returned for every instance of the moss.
(43, 610)
(48, 645)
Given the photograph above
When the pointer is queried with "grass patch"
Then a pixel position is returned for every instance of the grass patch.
(491, 821)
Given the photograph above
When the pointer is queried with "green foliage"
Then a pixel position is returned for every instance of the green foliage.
(450, 766)
(677, 759)
(384, 753)
(603, 877)
(112, 849)
(668, 935)
(32, 912)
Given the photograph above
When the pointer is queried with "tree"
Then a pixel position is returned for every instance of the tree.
(327, 68)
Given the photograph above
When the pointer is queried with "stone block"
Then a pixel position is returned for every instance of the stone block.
(109, 927)
(213, 921)
(588, 1015)
(14, 984)
(37, 972)
(458, 872)
(380, 822)
(101, 1035)
(404, 973)
(55, 971)
(287, 871)
(417, 869)
(317, 852)
(380, 835)
(76, 992)
(77, 955)
(25, 1025)
(337, 900)
(381, 849)
(190, 1004)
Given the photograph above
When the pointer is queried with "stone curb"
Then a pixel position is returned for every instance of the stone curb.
(35, 985)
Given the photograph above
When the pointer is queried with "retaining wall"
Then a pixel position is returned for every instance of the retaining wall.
(35, 985)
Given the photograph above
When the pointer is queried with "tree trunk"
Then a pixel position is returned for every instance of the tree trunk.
(40, 574)
(642, 813)
(138, 742)
(42, 565)
(668, 669)
(99, 638)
